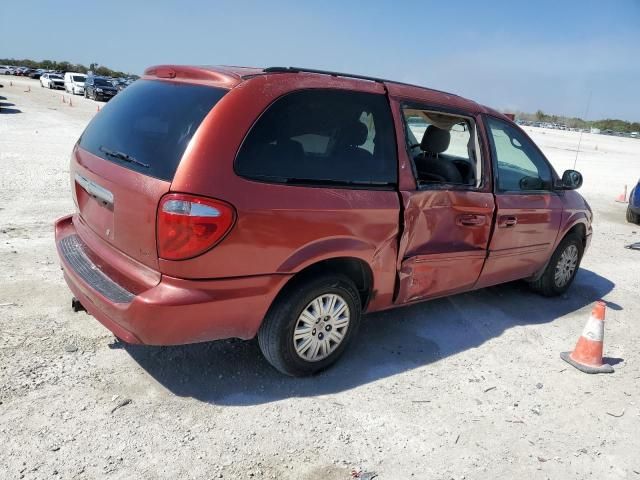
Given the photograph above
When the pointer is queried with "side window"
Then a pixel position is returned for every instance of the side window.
(444, 148)
(322, 137)
(519, 165)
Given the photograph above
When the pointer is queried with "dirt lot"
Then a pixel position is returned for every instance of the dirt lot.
(465, 387)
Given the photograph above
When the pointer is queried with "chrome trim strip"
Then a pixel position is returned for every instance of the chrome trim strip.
(94, 189)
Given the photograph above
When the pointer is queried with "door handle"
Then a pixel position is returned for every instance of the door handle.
(471, 220)
(507, 221)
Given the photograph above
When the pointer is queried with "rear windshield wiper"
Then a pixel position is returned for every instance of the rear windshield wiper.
(122, 156)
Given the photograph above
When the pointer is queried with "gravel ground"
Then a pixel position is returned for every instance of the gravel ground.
(469, 386)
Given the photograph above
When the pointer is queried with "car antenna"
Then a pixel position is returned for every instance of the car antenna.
(586, 113)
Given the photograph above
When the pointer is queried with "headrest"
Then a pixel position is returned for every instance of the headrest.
(435, 140)
(355, 134)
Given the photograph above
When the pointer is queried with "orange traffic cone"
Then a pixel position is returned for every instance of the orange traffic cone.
(98, 108)
(587, 356)
(622, 198)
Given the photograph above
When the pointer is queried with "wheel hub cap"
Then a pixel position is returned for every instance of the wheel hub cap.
(566, 266)
(321, 327)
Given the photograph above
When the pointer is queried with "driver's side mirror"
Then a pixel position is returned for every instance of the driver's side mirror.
(571, 180)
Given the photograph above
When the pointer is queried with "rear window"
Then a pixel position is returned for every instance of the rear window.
(148, 126)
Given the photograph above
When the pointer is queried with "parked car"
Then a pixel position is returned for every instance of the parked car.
(633, 209)
(5, 70)
(74, 82)
(36, 74)
(51, 80)
(121, 83)
(98, 88)
(218, 202)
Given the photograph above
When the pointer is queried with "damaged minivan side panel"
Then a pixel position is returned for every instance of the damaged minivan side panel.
(444, 244)
(446, 228)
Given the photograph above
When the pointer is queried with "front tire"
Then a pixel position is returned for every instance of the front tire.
(632, 217)
(310, 325)
(562, 268)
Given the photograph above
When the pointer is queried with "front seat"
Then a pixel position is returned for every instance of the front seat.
(429, 164)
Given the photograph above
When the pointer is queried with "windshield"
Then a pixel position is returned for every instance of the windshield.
(78, 78)
(55, 77)
(148, 126)
(102, 82)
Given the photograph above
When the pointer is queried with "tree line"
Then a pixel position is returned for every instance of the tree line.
(614, 124)
(65, 66)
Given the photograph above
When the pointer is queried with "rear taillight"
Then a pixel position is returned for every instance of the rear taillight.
(190, 225)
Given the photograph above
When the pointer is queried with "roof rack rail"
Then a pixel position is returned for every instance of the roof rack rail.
(346, 75)
(322, 72)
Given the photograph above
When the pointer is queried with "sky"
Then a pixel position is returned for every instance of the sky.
(510, 55)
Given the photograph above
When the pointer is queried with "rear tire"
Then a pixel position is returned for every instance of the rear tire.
(310, 325)
(632, 217)
(562, 268)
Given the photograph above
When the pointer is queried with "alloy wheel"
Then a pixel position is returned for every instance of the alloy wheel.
(321, 327)
(566, 266)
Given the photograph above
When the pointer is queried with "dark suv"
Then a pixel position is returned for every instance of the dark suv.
(99, 88)
(283, 203)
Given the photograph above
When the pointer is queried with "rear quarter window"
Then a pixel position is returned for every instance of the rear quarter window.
(150, 123)
(322, 137)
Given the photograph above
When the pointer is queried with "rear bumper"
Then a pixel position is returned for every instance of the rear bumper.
(172, 312)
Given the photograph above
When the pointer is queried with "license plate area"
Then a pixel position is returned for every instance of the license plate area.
(95, 204)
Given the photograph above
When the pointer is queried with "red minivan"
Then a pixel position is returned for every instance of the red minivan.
(282, 203)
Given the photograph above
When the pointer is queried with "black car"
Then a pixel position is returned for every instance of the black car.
(99, 88)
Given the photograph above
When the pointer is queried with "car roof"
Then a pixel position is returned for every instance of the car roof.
(229, 76)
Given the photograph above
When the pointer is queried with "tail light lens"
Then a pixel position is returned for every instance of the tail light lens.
(189, 226)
